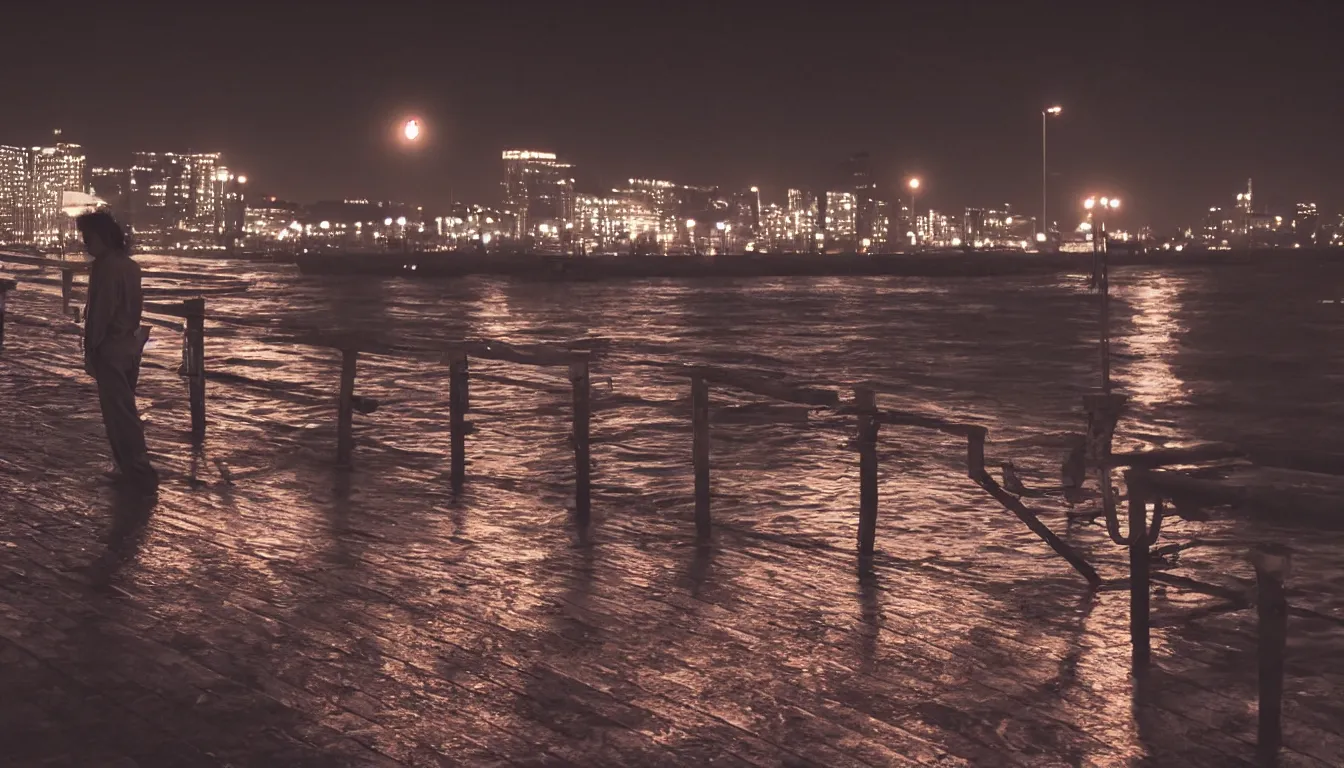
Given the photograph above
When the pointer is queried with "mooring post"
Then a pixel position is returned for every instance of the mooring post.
(67, 288)
(194, 310)
(700, 451)
(1139, 588)
(457, 407)
(5, 287)
(578, 377)
(345, 429)
(865, 402)
(1272, 565)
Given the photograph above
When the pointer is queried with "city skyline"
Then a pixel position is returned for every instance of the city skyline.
(1167, 109)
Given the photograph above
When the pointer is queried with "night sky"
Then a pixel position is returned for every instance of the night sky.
(1170, 108)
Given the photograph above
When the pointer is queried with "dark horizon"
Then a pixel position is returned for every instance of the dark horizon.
(1172, 109)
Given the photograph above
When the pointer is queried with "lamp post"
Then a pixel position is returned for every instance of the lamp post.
(1045, 114)
(690, 234)
(914, 215)
(1102, 278)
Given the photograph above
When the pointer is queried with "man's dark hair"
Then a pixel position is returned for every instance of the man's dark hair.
(104, 226)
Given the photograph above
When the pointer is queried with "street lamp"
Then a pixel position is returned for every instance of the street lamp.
(1045, 113)
(1101, 278)
(914, 216)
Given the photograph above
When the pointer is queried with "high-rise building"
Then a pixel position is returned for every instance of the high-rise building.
(13, 193)
(53, 171)
(538, 189)
(841, 213)
(1306, 224)
(174, 193)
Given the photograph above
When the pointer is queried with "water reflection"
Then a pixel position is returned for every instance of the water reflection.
(1150, 343)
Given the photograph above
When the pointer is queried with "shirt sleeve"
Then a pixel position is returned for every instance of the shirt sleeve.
(104, 295)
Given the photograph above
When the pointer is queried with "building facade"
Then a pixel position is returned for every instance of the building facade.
(181, 196)
(53, 171)
(538, 189)
(13, 193)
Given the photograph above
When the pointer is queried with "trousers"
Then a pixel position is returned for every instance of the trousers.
(117, 376)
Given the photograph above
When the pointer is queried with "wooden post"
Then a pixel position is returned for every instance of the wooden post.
(67, 289)
(194, 309)
(865, 400)
(700, 453)
(1272, 565)
(345, 428)
(1139, 636)
(457, 406)
(578, 376)
(975, 452)
(5, 287)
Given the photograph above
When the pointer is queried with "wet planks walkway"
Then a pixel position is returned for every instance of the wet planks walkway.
(296, 618)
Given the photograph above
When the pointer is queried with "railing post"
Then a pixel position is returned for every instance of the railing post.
(194, 310)
(67, 289)
(457, 407)
(1272, 565)
(578, 376)
(1139, 587)
(5, 287)
(700, 452)
(975, 452)
(345, 435)
(865, 401)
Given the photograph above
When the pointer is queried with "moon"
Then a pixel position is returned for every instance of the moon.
(411, 130)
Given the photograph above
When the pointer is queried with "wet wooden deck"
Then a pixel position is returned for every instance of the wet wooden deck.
(303, 621)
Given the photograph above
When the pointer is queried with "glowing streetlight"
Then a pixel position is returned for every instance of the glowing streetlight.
(401, 221)
(387, 222)
(914, 216)
(324, 225)
(1115, 202)
(690, 223)
(1089, 203)
(242, 179)
(411, 130)
(1045, 113)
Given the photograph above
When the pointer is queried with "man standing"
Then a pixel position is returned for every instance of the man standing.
(113, 342)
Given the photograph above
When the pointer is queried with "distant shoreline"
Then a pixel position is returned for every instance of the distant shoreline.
(442, 265)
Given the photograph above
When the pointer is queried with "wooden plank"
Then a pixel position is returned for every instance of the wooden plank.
(765, 386)
(1194, 454)
(76, 265)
